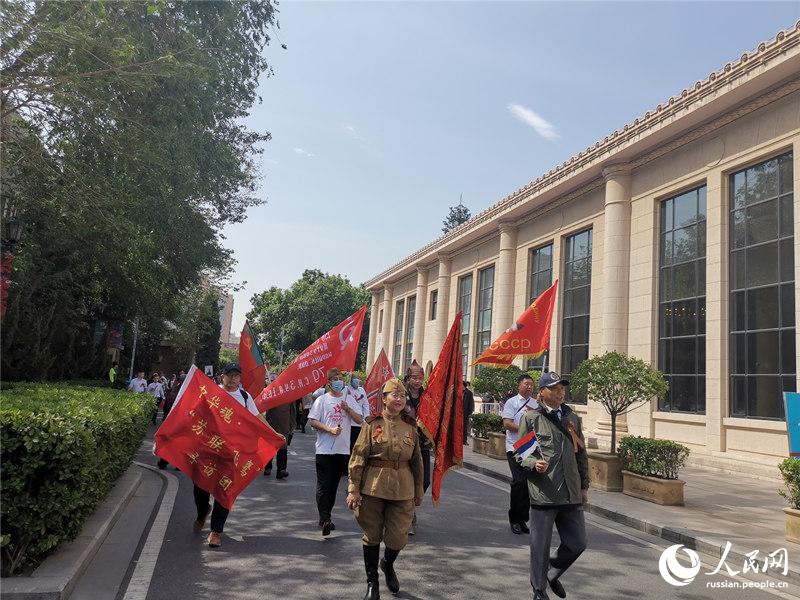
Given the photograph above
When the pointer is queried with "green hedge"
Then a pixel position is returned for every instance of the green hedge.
(790, 471)
(63, 447)
(652, 458)
(482, 424)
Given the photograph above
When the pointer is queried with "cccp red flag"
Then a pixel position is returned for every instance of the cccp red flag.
(215, 440)
(381, 373)
(529, 336)
(254, 369)
(309, 371)
(440, 414)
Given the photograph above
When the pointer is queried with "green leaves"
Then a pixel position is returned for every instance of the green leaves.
(790, 471)
(652, 458)
(497, 383)
(62, 449)
(483, 423)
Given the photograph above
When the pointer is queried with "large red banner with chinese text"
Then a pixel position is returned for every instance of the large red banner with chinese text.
(309, 371)
(215, 440)
(440, 414)
(381, 373)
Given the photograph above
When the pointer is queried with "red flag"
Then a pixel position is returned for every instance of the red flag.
(215, 440)
(381, 373)
(529, 336)
(309, 371)
(440, 414)
(254, 369)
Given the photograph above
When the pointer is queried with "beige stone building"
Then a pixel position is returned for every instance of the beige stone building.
(675, 239)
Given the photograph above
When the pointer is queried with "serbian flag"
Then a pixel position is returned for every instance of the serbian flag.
(309, 371)
(381, 373)
(215, 440)
(254, 369)
(526, 445)
(440, 414)
(529, 336)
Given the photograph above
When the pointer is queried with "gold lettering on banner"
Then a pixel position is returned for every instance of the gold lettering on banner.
(209, 469)
(200, 427)
(226, 414)
(247, 466)
(213, 402)
(193, 456)
(225, 482)
(215, 443)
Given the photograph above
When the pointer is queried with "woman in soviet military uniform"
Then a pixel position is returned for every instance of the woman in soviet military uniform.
(385, 484)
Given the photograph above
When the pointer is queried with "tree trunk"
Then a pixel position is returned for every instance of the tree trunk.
(613, 433)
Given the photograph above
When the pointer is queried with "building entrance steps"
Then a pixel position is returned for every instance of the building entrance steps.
(719, 507)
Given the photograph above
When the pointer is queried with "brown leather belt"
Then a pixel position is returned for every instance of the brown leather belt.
(389, 464)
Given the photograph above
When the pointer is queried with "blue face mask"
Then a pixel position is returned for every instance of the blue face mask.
(355, 382)
(337, 386)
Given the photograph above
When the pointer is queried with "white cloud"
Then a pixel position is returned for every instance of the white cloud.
(527, 116)
(351, 131)
(302, 152)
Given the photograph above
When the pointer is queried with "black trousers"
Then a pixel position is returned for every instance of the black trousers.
(219, 514)
(569, 522)
(520, 501)
(304, 419)
(425, 450)
(330, 469)
(354, 433)
(282, 458)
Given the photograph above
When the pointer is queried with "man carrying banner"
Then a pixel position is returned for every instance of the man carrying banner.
(513, 411)
(385, 484)
(558, 483)
(330, 416)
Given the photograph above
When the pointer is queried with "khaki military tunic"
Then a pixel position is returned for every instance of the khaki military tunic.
(386, 468)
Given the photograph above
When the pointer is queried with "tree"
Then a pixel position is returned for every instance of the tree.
(310, 307)
(499, 383)
(123, 143)
(620, 383)
(209, 329)
(457, 215)
(227, 356)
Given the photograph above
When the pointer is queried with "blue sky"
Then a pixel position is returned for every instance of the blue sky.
(383, 113)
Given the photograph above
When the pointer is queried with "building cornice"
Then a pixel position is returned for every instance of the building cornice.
(678, 108)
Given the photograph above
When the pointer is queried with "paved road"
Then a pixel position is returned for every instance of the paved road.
(272, 548)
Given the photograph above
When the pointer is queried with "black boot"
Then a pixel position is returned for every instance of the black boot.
(371, 555)
(387, 566)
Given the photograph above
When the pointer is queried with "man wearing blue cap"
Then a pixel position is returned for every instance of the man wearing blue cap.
(558, 483)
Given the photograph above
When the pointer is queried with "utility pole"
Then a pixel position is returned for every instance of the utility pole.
(133, 352)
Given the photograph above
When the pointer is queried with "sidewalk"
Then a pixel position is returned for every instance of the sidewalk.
(719, 508)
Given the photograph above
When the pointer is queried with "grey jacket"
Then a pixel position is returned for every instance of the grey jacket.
(568, 472)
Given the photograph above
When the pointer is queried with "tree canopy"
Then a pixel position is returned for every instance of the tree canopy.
(124, 152)
(455, 217)
(311, 306)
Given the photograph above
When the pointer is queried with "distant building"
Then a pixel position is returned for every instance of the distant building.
(675, 239)
(225, 317)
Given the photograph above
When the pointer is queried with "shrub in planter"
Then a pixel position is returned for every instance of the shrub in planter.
(653, 458)
(62, 449)
(482, 424)
(790, 471)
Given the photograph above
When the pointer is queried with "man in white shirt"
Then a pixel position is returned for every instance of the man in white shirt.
(330, 415)
(138, 384)
(513, 411)
(156, 389)
(357, 399)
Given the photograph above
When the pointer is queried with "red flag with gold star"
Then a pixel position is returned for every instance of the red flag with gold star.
(381, 373)
(440, 414)
(215, 440)
(528, 336)
(254, 368)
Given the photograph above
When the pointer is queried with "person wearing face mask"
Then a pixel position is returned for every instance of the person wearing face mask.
(357, 399)
(385, 484)
(330, 416)
(558, 484)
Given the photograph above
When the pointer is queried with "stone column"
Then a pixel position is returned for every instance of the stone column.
(717, 287)
(386, 306)
(374, 312)
(616, 267)
(419, 315)
(442, 309)
(503, 301)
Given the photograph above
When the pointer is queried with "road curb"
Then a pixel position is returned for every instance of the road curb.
(57, 576)
(687, 537)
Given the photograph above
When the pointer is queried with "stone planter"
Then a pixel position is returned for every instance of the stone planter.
(668, 492)
(605, 471)
(792, 524)
(480, 445)
(497, 445)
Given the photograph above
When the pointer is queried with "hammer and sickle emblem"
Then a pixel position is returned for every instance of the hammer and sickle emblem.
(346, 334)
